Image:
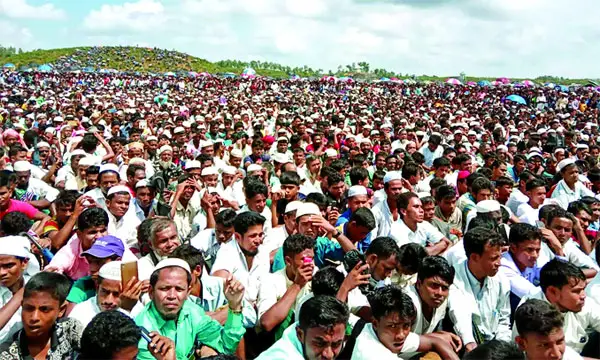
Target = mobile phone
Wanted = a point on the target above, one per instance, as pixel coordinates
(128, 271)
(145, 334)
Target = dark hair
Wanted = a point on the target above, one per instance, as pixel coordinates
(247, 219)
(504, 181)
(435, 139)
(144, 232)
(432, 266)
(290, 178)
(327, 281)
(15, 149)
(338, 165)
(410, 256)
(559, 273)
(436, 182)
(363, 217)
(297, 243)
(481, 184)
(66, 198)
(418, 158)
(589, 200)
(534, 183)
(441, 161)
(323, 312)
(92, 217)
(546, 210)
(522, 232)
(317, 198)
(410, 169)
(384, 247)
(427, 200)
(495, 350)
(404, 199)
(256, 188)
(109, 172)
(132, 169)
(226, 218)
(107, 333)
(92, 170)
(537, 317)
(557, 214)
(7, 178)
(391, 299)
(475, 240)
(189, 254)
(258, 143)
(445, 192)
(358, 174)
(55, 284)
(15, 223)
(334, 178)
(378, 175)
(461, 158)
(576, 207)
(156, 273)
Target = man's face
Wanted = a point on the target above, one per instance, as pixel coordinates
(414, 210)
(394, 189)
(138, 176)
(433, 291)
(82, 171)
(466, 165)
(489, 260)
(290, 191)
(118, 205)
(428, 211)
(447, 206)
(392, 331)
(298, 157)
(92, 181)
(257, 151)
(526, 252)
(562, 228)
(166, 241)
(584, 219)
(95, 264)
(297, 261)
(337, 190)
(571, 297)
(257, 203)
(358, 201)
(499, 171)
(108, 180)
(306, 226)
(537, 195)
(251, 240)
(11, 270)
(108, 294)
(538, 346)
(44, 152)
(315, 166)
(595, 207)
(319, 343)
(63, 213)
(235, 162)
(210, 180)
(223, 233)
(90, 235)
(381, 269)
(504, 191)
(170, 291)
(144, 196)
(39, 313)
(392, 164)
(483, 194)
(441, 171)
(571, 174)
(22, 179)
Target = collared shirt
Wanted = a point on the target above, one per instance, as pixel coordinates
(231, 258)
(421, 325)
(515, 199)
(14, 324)
(527, 214)
(431, 155)
(369, 347)
(456, 254)
(266, 213)
(84, 312)
(576, 326)
(521, 283)
(184, 216)
(424, 234)
(65, 339)
(139, 212)
(274, 239)
(454, 220)
(383, 218)
(213, 299)
(273, 287)
(288, 347)
(465, 203)
(125, 228)
(564, 195)
(572, 253)
(192, 329)
(326, 251)
(486, 305)
(206, 241)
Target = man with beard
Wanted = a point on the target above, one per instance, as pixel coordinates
(162, 241)
(31, 190)
(386, 212)
(165, 166)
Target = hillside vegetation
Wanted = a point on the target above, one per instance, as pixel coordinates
(153, 60)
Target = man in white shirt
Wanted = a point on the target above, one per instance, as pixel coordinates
(569, 188)
(257, 194)
(432, 150)
(275, 237)
(389, 335)
(481, 295)
(122, 223)
(34, 191)
(209, 241)
(536, 193)
(110, 294)
(518, 197)
(412, 228)
(240, 258)
(386, 211)
(318, 334)
(563, 285)
(540, 332)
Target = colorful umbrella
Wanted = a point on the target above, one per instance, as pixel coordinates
(45, 68)
(503, 80)
(453, 81)
(516, 98)
(484, 83)
(471, 83)
(528, 83)
(204, 74)
(248, 72)
(169, 73)
(9, 66)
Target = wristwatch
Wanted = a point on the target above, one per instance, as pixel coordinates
(337, 234)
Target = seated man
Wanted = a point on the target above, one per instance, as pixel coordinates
(477, 292)
(171, 314)
(122, 223)
(540, 328)
(209, 241)
(529, 211)
(563, 285)
(111, 294)
(318, 334)
(275, 237)
(388, 336)
(69, 205)
(162, 241)
(44, 336)
(279, 292)
(358, 228)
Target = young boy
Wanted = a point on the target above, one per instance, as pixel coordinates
(290, 185)
(44, 336)
(541, 335)
(389, 335)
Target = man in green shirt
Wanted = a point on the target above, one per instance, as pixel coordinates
(171, 314)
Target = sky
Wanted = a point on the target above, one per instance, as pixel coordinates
(513, 38)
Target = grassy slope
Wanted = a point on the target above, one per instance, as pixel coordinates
(160, 61)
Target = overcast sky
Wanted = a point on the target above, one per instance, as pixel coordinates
(513, 38)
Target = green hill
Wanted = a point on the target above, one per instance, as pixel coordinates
(141, 59)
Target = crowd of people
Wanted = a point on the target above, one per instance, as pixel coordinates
(176, 218)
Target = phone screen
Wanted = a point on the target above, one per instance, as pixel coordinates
(129, 270)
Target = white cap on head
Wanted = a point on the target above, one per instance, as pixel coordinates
(205, 143)
(164, 148)
(172, 262)
(582, 147)
(331, 153)
(13, 246)
(192, 164)
(254, 167)
(564, 163)
(307, 209)
(78, 152)
(236, 153)
(293, 206)
(229, 170)
(357, 190)
(487, 206)
(118, 189)
(87, 161)
(211, 170)
(21, 166)
(42, 144)
(391, 176)
(151, 138)
(142, 183)
(111, 271)
(109, 167)
(179, 130)
(280, 158)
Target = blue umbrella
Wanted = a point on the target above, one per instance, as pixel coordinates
(9, 66)
(44, 68)
(484, 83)
(517, 98)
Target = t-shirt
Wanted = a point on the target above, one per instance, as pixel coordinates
(20, 206)
(82, 290)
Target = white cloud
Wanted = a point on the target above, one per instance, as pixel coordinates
(20, 9)
(14, 35)
(442, 37)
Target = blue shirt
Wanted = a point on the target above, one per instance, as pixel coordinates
(324, 249)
